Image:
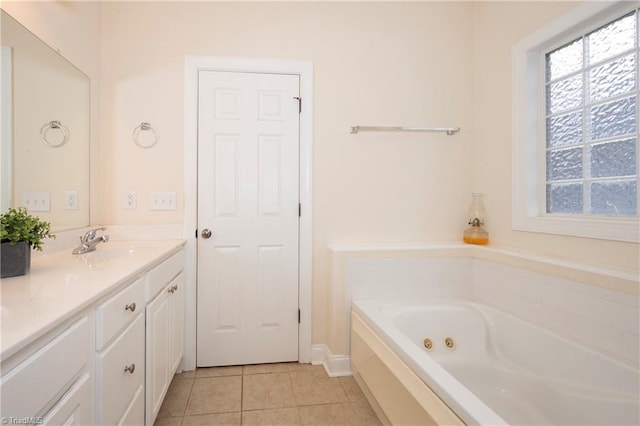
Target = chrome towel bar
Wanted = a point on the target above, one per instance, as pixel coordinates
(448, 130)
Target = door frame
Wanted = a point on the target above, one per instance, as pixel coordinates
(193, 65)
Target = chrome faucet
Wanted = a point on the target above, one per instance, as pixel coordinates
(89, 241)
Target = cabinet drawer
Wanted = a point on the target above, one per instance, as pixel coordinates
(134, 415)
(120, 372)
(160, 276)
(118, 311)
(31, 385)
(75, 407)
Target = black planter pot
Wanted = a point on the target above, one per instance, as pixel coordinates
(15, 259)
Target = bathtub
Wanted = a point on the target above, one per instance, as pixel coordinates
(483, 366)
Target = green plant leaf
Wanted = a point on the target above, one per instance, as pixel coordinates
(18, 225)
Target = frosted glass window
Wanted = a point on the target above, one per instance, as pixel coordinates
(564, 164)
(611, 198)
(613, 78)
(564, 61)
(591, 96)
(610, 40)
(613, 118)
(564, 129)
(617, 158)
(565, 94)
(564, 198)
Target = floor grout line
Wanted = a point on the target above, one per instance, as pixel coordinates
(344, 385)
(241, 395)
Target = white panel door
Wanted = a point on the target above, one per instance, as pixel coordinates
(248, 144)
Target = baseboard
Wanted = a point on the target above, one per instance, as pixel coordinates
(334, 365)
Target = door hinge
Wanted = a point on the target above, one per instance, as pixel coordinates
(298, 316)
(299, 210)
(299, 99)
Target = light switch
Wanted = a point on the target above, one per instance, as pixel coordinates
(37, 201)
(162, 201)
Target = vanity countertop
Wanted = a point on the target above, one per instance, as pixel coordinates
(60, 285)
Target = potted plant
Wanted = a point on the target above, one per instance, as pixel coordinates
(19, 233)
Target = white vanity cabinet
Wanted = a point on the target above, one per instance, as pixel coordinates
(82, 346)
(176, 323)
(50, 382)
(165, 335)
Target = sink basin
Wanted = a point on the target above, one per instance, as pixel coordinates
(119, 248)
(107, 251)
(116, 250)
(113, 251)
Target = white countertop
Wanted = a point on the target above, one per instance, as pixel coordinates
(60, 285)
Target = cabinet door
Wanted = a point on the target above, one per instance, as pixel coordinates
(176, 306)
(158, 362)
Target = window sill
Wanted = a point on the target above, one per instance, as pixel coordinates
(627, 230)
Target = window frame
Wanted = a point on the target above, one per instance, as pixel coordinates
(529, 129)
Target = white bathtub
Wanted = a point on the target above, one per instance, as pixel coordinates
(504, 370)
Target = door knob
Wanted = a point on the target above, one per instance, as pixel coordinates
(206, 233)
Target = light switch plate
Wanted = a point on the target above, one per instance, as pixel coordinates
(162, 201)
(37, 201)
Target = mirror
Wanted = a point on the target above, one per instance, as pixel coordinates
(45, 125)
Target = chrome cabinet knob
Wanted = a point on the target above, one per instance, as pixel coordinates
(130, 368)
(206, 233)
(130, 307)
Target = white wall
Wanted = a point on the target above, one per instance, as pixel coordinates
(374, 63)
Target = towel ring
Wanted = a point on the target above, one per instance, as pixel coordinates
(44, 130)
(144, 127)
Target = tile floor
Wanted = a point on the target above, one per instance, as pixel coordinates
(266, 394)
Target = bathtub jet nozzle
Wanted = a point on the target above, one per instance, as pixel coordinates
(428, 344)
(450, 343)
